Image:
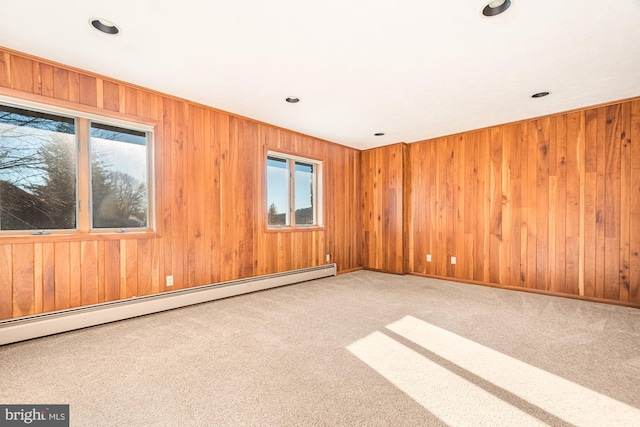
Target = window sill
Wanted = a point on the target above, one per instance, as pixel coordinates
(293, 229)
(75, 237)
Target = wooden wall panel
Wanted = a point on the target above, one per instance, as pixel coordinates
(208, 187)
(381, 217)
(634, 204)
(550, 204)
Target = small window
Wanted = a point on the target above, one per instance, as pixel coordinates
(293, 191)
(119, 177)
(37, 170)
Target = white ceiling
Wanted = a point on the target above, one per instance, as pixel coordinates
(411, 69)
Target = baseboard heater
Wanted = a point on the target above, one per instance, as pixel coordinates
(40, 325)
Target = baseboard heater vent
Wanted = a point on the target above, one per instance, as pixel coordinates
(40, 325)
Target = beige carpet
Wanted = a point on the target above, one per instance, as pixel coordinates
(362, 348)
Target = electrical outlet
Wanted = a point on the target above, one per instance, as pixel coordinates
(428, 257)
(328, 257)
(453, 260)
(169, 281)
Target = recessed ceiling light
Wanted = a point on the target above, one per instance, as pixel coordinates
(292, 99)
(104, 26)
(496, 7)
(379, 134)
(540, 94)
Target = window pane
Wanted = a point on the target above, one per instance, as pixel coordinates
(37, 170)
(304, 193)
(277, 191)
(119, 177)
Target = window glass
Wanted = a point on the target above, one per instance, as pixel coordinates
(37, 170)
(277, 191)
(294, 195)
(304, 194)
(119, 177)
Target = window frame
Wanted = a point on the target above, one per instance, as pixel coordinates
(82, 140)
(318, 202)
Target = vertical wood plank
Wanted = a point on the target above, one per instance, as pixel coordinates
(516, 142)
(6, 282)
(101, 271)
(495, 201)
(634, 206)
(449, 201)
(23, 279)
(532, 213)
(110, 95)
(60, 83)
(506, 207)
(74, 87)
(48, 277)
(542, 205)
(144, 266)
(46, 80)
(582, 204)
(601, 114)
(100, 93)
(193, 208)
(208, 207)
(112, 270)
(625, 200)
(167, 186)
(612, 202)
(480, 253)
(215, 197)
(22, 74)
(38, 285)
(460, 209)
(37, 78)
(5, 69)
(89, 272)
(131, 101)
(574, 137)
(590, 203)
(124, 276)
(75, 278)
(62, 279)
(88, 90)
(131, 267)
(178, 194)
(441, 250)
(559, 283)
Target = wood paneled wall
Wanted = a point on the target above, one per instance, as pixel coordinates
(551, 204)
(210, 212)
(381, 220)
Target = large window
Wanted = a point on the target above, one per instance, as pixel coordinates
(60, 171)
(294, 191)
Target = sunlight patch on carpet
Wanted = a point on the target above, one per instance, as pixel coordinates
(451, 398)
(457, 401)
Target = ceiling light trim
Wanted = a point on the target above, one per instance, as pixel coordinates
(105, 26)
(495, 8)
(540, 94)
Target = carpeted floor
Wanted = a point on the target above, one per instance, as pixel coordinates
(363, 348)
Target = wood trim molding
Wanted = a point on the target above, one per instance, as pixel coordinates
(529, 290)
